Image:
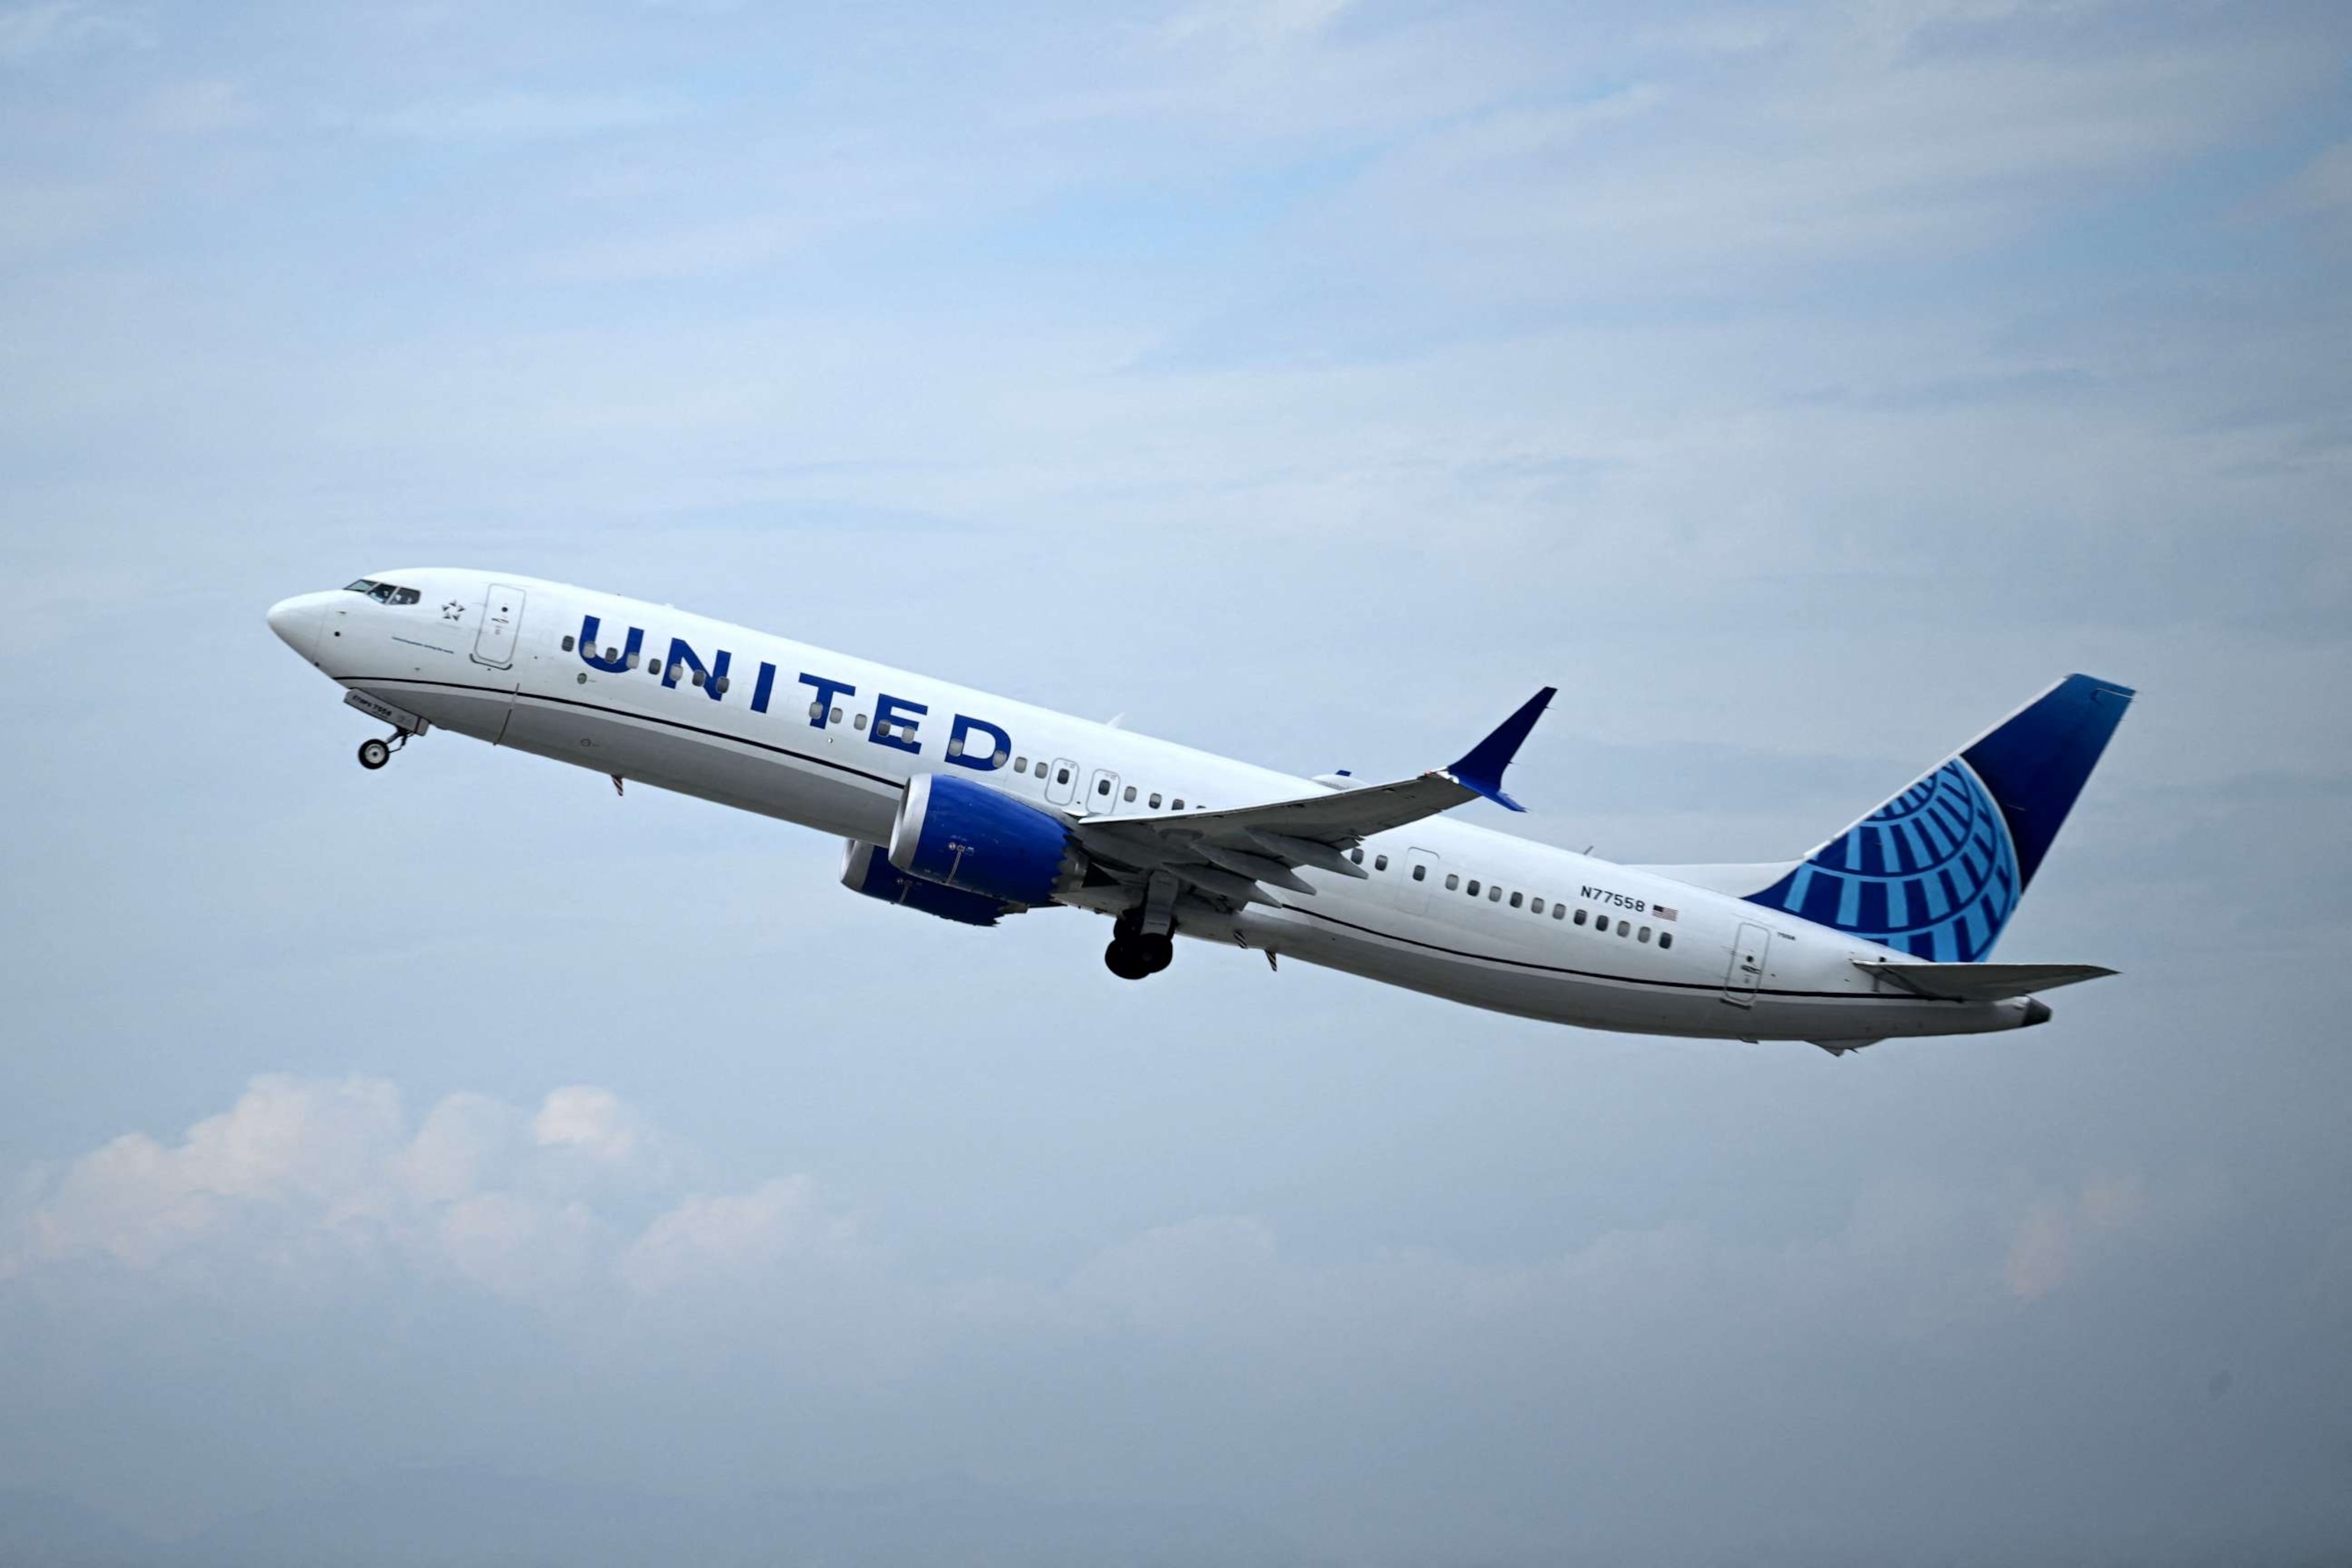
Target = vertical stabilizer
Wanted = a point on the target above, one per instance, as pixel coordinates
(1936, 871)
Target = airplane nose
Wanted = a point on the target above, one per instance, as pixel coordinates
(297, 622)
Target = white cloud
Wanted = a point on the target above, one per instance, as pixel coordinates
(591, 1120)
(715, 1238)
(307, 1176)
(288, 1146)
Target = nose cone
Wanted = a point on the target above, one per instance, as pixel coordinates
(297, 622)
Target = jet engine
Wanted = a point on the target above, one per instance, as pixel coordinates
(865, 869)
(975, 839)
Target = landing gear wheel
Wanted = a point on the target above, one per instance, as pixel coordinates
(1125, 959)
(373, 755)
(1158, 952)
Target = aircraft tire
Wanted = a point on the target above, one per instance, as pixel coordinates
(1158, 952)
(373, 755)
(1125, 959)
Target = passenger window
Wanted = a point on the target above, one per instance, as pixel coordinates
(1514, 900)
(1452, 881)
(1130, 792)
(719, 685)
(1102, 787)
(1643, 935)
(858, 722)
(1178, 803)
(1560, 912)
(1665, 939)
(567, 645)
(1379, 862)
(1494, 894)
(1535, 906)
(996, 758)
(1020, 765)
(612, 656)
(1154, 802)
(1062, 775)
(817, 712)
(835, 717)
(698, 678)
(1624, 928)
(1474, 886)
(1580, 917)
(955, 747)
(1420, 873)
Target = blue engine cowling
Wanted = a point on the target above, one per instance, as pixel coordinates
(865, 869)
(971, 838)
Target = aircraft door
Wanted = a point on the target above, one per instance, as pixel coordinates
(1062, 782)
(1420, 876)
(1746, 970)
(1102, 792)
(502, 621)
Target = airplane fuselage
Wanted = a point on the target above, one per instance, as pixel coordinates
(663, 698)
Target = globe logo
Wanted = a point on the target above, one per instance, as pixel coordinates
(1933, 872)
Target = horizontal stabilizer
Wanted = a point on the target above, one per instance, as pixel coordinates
(1978, 981)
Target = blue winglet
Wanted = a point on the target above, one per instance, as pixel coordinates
(1481, 769)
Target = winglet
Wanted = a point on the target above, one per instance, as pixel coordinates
(1481, 769)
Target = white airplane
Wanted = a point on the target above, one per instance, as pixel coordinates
(972, 807)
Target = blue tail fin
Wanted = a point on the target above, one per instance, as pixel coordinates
(1936, 871)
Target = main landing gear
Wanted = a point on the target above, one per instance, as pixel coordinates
(1142, 941)
(1131, 957)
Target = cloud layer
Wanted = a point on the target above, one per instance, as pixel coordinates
(1797, 388)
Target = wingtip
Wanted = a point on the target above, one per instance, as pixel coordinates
(1480, 771)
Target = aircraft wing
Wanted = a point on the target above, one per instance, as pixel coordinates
(1978, 981)
(1228, 854)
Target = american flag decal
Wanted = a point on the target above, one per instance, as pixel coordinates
(1663, 912)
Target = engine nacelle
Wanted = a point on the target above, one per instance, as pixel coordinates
(971, 838)
(865, 869)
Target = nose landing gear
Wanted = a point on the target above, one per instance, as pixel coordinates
(405, 727)
(373, 755)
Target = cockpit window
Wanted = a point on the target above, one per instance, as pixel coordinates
(383, 593)
(364, 586)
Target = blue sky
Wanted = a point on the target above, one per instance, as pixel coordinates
(1797, 387)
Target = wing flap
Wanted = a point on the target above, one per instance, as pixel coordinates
(1978, 981)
